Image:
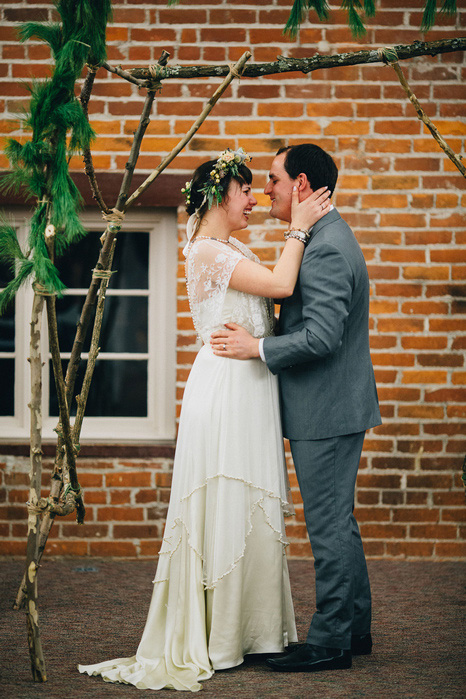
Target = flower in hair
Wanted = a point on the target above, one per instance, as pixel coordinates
(186, 190)
(227, 164)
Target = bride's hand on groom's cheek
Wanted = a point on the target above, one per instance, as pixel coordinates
(234, 342)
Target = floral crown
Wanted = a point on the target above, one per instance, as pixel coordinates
(227, 164)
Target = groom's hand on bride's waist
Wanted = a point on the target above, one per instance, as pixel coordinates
(234, 342)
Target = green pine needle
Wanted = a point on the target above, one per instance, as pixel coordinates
(16, 181)
(428, 18)
(10, 249)
(24, 271)
(354, 20)
(448, 7)
(369, 8)
(40, 165)
(47, 32)
(298, 14)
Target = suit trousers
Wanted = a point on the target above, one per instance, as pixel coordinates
(326, 471)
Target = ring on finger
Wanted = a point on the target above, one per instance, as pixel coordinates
(224, 347)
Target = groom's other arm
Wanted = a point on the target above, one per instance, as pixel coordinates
(326, 283)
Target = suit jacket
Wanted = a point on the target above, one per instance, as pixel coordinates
(321, 353)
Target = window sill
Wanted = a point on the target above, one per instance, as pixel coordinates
(128, 451)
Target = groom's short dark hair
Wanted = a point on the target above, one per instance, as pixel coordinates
(314, 162)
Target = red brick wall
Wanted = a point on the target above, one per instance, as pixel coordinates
(397, 190)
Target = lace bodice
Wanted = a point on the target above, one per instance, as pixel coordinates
(209, 267)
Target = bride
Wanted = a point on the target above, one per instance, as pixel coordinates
(222, 589)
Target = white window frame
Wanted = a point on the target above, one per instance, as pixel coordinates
(160, 424)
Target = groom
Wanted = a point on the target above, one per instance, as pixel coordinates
(328, 401)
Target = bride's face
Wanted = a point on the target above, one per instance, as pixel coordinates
(238, 205)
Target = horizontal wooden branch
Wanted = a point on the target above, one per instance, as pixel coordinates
(117, 70)
(307, 65)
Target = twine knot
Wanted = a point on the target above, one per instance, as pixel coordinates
(388, 55)
(40, 290)
(114, 220)
(156, 75)
(234, 71)
(101, 273)
(34, 508)
(114, 216)
(77, 492)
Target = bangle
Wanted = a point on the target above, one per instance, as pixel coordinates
(297, 233)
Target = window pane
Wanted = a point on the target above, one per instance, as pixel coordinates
(7, 382)
(118, 389)
(130, 261)
(6, 274)
(124, 326)
(7, 329)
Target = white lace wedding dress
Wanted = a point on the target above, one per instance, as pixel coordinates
(222, 588)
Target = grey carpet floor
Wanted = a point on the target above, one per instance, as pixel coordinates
(93, 610)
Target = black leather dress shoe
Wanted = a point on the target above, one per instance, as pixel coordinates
(310, 658)
(361, 644)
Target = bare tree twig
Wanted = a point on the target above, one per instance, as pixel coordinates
(135, 148)
(426, 120)
(87, 155)
(70, 475)
(94, 349)
(118, 70)
(234, 71)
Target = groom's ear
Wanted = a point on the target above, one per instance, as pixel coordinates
(301, 181)
(303, 184)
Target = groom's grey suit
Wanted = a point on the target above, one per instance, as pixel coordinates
(328, 400)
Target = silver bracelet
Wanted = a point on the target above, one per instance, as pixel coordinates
(297, 233)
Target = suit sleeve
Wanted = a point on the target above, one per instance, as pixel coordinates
(326, 283)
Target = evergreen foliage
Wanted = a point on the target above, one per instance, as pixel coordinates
(58, 129)
(430, 10)
(356, 10)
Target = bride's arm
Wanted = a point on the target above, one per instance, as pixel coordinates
(279, 282)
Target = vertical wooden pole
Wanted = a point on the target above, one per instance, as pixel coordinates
(35, 476)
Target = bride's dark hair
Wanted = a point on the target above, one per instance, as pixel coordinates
(201, 177)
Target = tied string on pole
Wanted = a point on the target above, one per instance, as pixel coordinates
(388, 55)
(114, 220)
(102, 273)
(156, 74)
(42, 506)
(34, 509)
(77, 492)
(114, 216)
(234, 71)
(41, 290)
